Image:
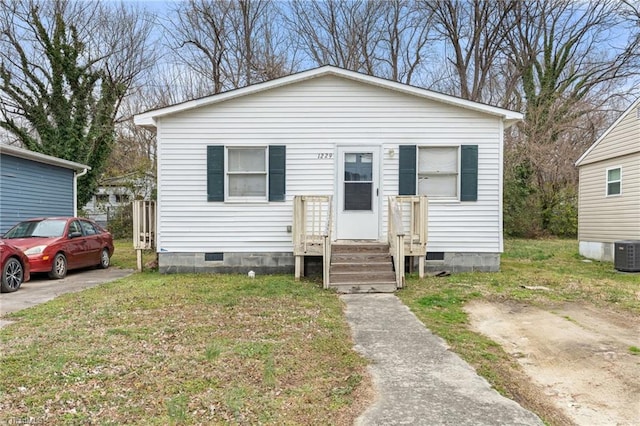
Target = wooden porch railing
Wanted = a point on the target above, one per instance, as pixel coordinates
(144, 228)
(396, 240)
(412, 212)
(312, 223)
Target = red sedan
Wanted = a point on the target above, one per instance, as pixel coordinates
(58, 244)
(14, 266)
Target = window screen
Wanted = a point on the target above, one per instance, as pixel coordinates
(438, 170)
(247, 172)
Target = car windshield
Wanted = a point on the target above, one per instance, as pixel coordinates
(42, 228)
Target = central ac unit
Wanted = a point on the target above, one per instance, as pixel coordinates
(627, 256)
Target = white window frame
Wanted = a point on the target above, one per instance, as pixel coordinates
(607, 181)
(420, 175)
(227, 173)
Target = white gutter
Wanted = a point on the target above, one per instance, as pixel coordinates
(75, 189)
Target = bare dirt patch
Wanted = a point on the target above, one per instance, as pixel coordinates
(580, 358)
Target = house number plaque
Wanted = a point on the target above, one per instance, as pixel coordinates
(325, 155)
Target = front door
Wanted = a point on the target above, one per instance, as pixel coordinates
(357, 193)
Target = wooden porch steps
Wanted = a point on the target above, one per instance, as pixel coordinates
(361, 267)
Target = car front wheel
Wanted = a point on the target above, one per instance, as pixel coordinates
(104, 259)
(12, 275)
(59, 267)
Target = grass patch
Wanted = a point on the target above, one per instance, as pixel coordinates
(553, 263)
(183, 349)
(634, 350)
(125, 256)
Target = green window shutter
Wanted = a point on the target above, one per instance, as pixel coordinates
(215, 173)
(277, 175)
(407, 169)
(469, 173)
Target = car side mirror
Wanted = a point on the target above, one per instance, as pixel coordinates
(75, 234)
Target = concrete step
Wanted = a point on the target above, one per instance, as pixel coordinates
(345, 288)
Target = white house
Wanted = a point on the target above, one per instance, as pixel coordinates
(115, 193)
(609, 188)
(230, 166)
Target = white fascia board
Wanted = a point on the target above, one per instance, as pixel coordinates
(606, 132)
(144, 120)
(42, 158)
(148, 119)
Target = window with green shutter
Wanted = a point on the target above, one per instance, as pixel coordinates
(441, 172)
(246, 173)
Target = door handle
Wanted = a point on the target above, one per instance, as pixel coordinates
(377, 191)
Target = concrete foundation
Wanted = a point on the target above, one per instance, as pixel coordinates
(260, 263)
(597, 250)
(465, 262)
(283, 263)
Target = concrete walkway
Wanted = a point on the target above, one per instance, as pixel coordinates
(418, 381)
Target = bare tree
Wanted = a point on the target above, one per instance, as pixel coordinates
(63, 75)
(473, 34)
(389, 39)
(570, 66)
(403, 36)
(230, 43)
(337, 32)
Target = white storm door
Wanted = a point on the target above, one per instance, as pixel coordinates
(357, 193)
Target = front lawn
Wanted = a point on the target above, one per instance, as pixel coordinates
(226, 349)
(183, 349)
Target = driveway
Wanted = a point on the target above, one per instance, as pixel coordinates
(41, 289)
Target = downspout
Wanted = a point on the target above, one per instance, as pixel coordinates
(75, 190)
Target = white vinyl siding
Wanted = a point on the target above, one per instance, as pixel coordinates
(311, 118)
(608, 219)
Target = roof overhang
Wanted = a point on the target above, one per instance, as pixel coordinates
(41, 158)
(584, 156)
(149, 119)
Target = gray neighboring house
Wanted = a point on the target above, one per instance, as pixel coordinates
(609, 188)
(36, 185)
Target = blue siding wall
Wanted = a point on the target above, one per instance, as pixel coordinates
(32, 189)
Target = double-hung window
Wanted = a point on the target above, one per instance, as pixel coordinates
(247, 173)
(614, 181)
(438, 172)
